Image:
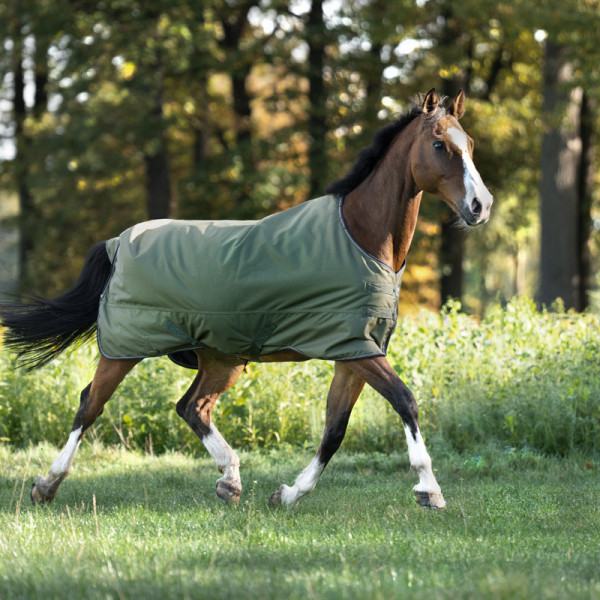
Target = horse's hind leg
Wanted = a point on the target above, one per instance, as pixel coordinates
(343, 394)
(93, 398)
(216, 374)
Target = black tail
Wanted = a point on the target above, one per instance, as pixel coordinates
(40, 330)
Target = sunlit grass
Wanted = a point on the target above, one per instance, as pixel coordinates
(127, 525)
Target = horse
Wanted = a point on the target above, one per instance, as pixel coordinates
(371, 213)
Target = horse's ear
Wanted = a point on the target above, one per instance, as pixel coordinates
(431, 102)
(458, 106)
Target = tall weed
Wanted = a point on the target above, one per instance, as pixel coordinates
(519, 378)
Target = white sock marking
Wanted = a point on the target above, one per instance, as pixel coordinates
(304, 484)
(420, 462)
(62, 463)
(226, 459)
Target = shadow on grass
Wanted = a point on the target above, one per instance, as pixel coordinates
(173, 481)
(161, 532)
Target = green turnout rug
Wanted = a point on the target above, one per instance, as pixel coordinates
(293, 280)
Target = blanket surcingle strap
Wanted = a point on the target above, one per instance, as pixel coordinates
(293, 280)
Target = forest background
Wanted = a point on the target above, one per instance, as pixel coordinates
(118, 111)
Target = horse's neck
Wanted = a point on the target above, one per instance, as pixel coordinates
(381, 213)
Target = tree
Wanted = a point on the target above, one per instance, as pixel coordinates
(240, 108)
(453, 43)
(234, 22)
(569, 87)
(27, 34)
(585, 195)
(564, 188)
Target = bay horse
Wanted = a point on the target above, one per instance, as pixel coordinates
(371, 213)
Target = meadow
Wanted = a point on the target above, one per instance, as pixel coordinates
(510, 409)
(131, 525)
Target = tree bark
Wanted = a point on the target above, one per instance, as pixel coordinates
(585, 188)
(201, 127)
(452, 250)
(317, 126)
(158, 180)
(452, 246)
(560, 217)
(234, 25)
(40, 100)
(22, 142)
(233, 29)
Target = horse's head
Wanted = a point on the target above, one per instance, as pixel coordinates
(442, 161)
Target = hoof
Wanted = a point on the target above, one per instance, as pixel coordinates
(229, 491)
(275, 499)
(284, 496)
(40, 494)
(433, 500)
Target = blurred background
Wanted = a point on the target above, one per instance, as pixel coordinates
(117, 111)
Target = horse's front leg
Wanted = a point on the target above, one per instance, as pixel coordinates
(380, 375)
(216, 374)
(343, 393)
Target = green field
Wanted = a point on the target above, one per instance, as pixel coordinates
(510, 411)
(128, 525)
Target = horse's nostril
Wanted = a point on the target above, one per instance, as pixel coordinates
(476, 206)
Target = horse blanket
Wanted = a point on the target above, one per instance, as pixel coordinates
(293, 280)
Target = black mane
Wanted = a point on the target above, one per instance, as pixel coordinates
(369, 157)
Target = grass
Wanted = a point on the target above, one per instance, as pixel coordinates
(510, 408)
(132, 525)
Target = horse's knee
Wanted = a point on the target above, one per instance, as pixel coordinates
(405, 405)
(196, 414)
(85, 393)
(88, 410)
(202, 420)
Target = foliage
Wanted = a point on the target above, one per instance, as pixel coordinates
(521, 378)
(227, 87)
(518, 378)
(131, 526)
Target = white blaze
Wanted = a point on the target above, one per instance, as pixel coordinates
(474, 186)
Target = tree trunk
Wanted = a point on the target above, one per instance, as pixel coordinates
(158, 181)
(241, 107)
(585, 188)
(201, 125)
(22, 142)
(452, 250)
(561, 275)
(452, 246)
(317, 126)
(240, 65)
(40, 100)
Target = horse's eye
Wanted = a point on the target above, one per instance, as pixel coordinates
(439, 145)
